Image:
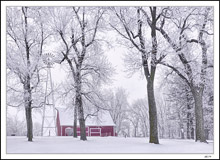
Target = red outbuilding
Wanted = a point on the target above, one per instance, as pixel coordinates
(99, 125)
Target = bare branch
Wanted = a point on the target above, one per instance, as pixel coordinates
(192, 40)
(207, 32)
(177, 71)
(161, 58)
(77, 15)
(64, 41)
(11, 105)
(148, 18)
(95, 30)
(119, 32)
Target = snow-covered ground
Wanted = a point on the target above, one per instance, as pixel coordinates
(104, 145)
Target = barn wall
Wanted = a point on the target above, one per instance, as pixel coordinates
(63, 128)
(105, 130)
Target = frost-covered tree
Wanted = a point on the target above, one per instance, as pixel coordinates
(192, 45)
(25, 39)
(179, 98)
(15, 125)
(162, 114)
(139, 117)
(117, 104)
(36, 129)
(77, 31)
(141, 35)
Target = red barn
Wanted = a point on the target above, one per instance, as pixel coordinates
(100, 125)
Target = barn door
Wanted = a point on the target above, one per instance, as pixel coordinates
(68, 131)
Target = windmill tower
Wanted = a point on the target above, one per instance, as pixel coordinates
(49, 114)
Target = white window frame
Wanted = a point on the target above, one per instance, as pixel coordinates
(90, 131)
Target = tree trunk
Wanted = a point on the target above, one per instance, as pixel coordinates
(200, 132)
(27, 115)
(75, 123)
(29, 124)
(188, 128)
(82, 126)
(79, 107)
(27, 82)
(28, 110)
(152, 113)
(189, 124)
(150, 83)
(192, 133)
(182, 133)
(81, 118)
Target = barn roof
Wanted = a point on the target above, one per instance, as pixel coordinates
(103, 118)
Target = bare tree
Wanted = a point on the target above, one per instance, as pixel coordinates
(15, 126)
(77, 28)
(162, 114)
(148, 57)
(139, 109)
(25, 40)
(195, 82)
(134, 120)
(179, 97)
(117, 104)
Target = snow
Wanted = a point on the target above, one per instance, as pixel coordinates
(104, 145)
(103, 118)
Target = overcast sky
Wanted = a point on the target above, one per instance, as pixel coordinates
(136, 85)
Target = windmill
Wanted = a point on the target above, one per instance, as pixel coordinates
(49, 114)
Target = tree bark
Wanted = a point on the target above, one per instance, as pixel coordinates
(150, 83)
(28, 110)
(152, 113)
(75, 123)
(29, 124)
(198, 97)
(79, 106)
(189, 124)
(27, 82)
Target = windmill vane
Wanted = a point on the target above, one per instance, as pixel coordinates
(48, 59)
